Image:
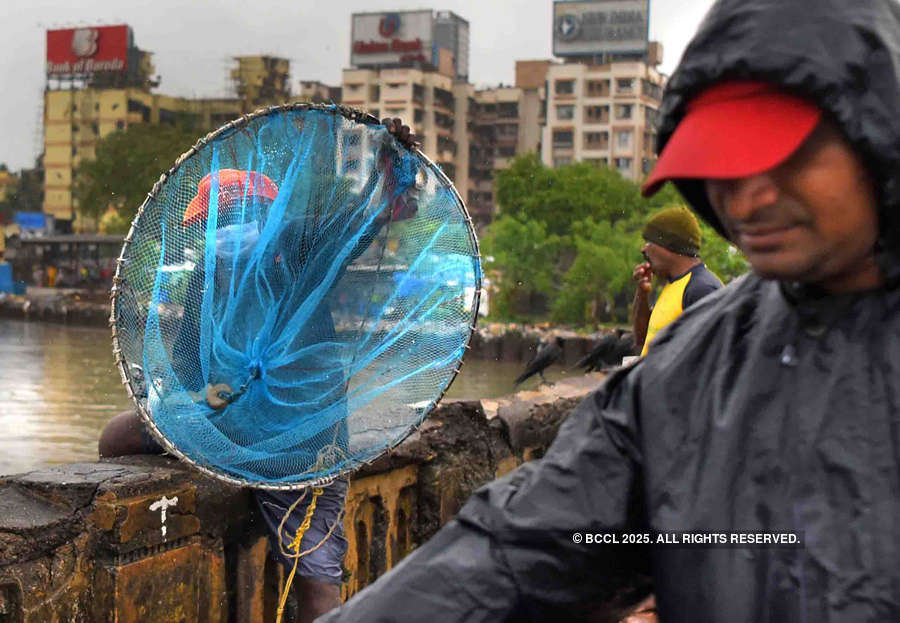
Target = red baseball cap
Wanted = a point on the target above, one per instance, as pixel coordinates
(732, 130)
(232, 185)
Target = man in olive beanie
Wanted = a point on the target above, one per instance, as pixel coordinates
(672, 251)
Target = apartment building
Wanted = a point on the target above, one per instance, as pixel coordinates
(424, 100)
(261, 80)
(78, 117)
(603, 114)
(318, 92)
(502, 122)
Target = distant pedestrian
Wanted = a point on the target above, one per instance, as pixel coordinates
(672, 249)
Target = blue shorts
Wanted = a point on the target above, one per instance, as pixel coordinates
(324, 564)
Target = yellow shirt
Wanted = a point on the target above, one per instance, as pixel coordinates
(674, 299)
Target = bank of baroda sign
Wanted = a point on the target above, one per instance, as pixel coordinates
(78, 51)
(600, 27)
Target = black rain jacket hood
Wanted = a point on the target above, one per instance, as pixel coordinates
(843, 55)
(759, 410)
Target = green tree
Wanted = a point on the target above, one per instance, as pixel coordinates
(522, 258)
(591, 218)
(720, 256)
(126, 166)
(600, 276)
(566, 195)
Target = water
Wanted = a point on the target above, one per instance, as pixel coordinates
(59, 386)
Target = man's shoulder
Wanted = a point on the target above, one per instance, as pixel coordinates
(702, 283)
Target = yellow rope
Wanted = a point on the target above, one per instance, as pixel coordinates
(295, 547)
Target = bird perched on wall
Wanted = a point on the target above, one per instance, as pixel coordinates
(546, 355)
(608, 351)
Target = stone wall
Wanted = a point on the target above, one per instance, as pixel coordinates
(144, 539)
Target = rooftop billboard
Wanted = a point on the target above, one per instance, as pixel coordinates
(73, 51)
(600, 27)
(392, 38)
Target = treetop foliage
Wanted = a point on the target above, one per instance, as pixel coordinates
(127, 164)
(567, 239)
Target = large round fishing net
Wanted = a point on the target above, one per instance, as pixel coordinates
(294, 296)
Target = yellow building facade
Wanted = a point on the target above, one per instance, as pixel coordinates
(75, 120)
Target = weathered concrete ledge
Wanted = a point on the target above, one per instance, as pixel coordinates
(147, 539)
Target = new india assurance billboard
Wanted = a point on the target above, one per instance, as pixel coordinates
(600, 27)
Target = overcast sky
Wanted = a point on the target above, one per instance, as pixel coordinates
(192, 42)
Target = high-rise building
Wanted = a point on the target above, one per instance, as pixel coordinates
(98, 82)
(260, 80)
(602, 102)
(506, 122)
(603, 114)
(424, 100)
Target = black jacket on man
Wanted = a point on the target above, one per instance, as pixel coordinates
(766, 407)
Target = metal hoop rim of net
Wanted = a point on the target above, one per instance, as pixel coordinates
(351, 114)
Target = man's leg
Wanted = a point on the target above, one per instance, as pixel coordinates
(317, 583)
(126, 434)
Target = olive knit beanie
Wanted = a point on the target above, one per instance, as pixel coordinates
(675, 229)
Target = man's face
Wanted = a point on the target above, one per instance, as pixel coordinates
(811, 219)
(657, 256)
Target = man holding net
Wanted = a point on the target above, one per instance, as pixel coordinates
(244, 198)
(275, 265)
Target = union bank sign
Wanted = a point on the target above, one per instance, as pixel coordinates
(380, 39)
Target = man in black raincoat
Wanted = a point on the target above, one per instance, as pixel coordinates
(773, 405)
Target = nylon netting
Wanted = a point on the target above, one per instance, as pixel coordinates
(294, 298)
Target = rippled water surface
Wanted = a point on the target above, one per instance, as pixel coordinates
(58, 387)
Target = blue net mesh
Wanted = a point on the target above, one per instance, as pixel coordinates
(294, 297)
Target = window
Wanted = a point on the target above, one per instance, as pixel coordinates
(596, 140)
(95, 129)
(418, 115)
(508, 110)
(646, 165)
(650, 115)
(565, 87)
(508, 130)
(597, 162)
(625, 85)
(562, 139)
(653, 91)
(120, 125)
(623, 111)
(374, 93)
(623, 139)
(396, 85)
(623, 164)
(597, 88)
(561, 161)
(565, 112)
(506, 151)
(597, 114)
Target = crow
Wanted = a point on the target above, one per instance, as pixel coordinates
(608, 351)
(545, 356)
